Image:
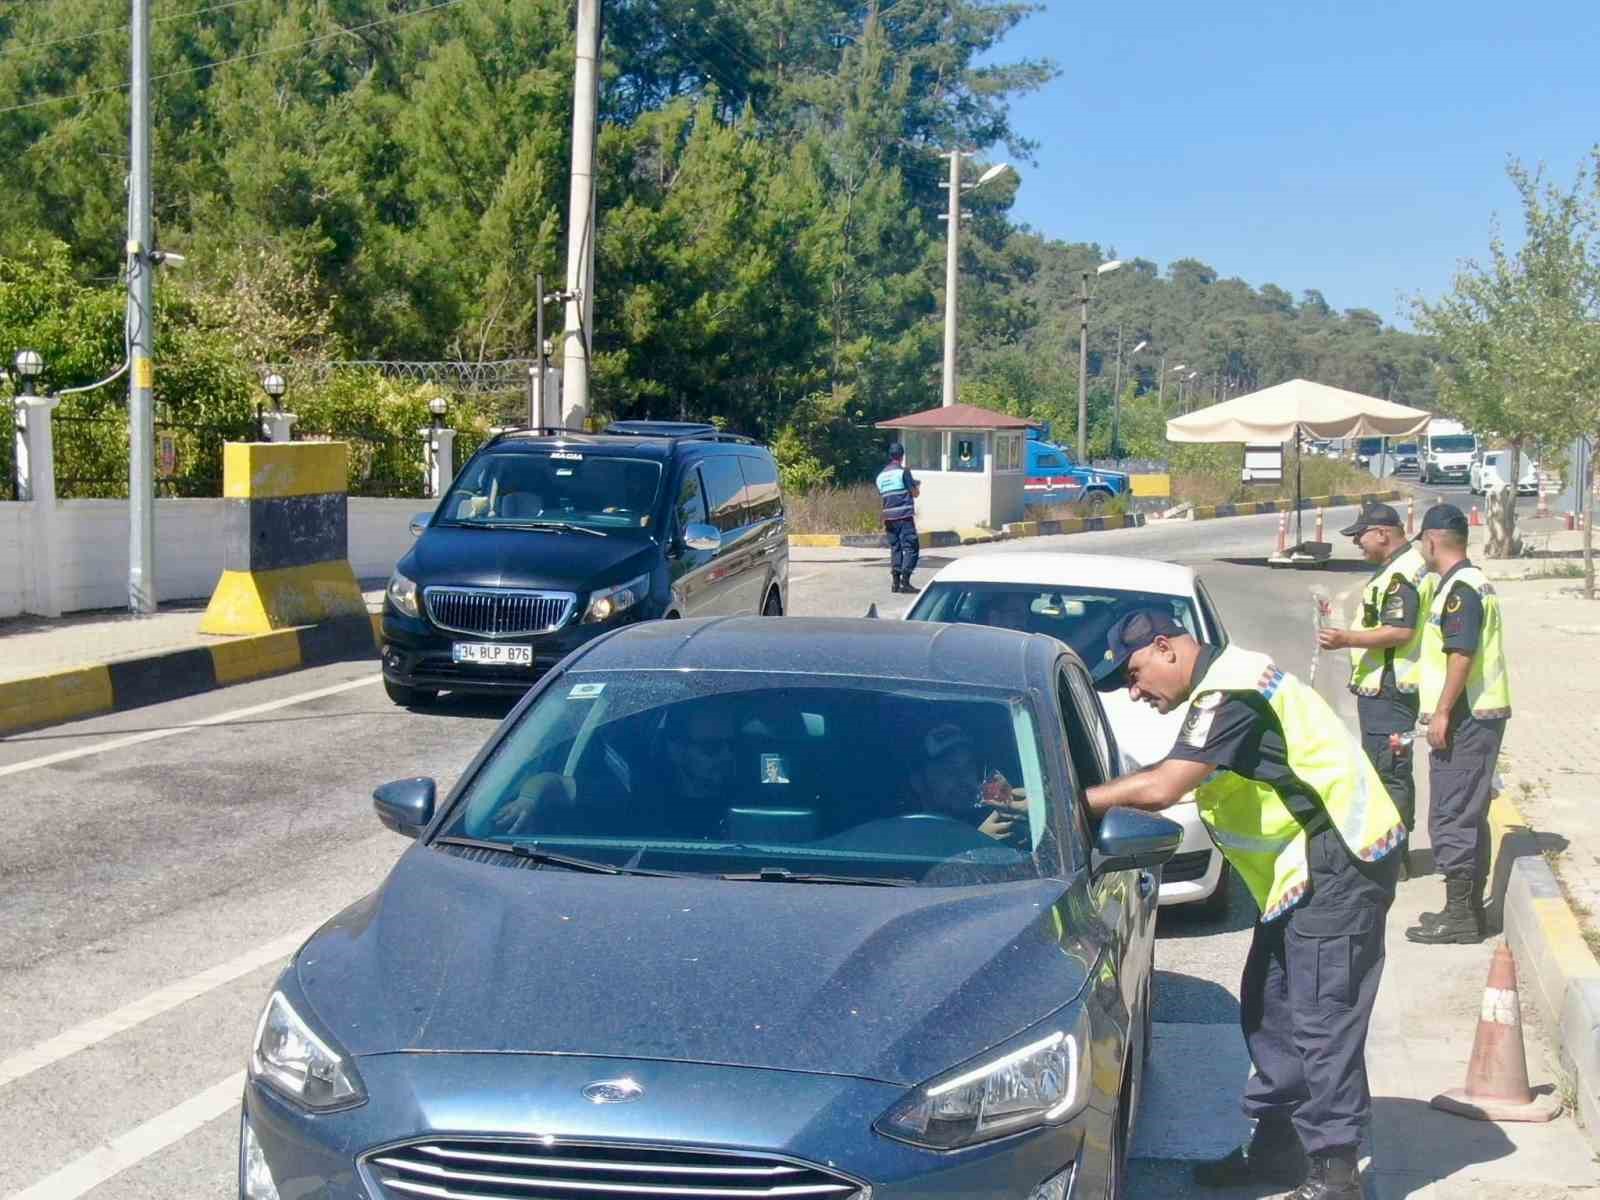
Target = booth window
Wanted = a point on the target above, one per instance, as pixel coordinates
(1007, 452)
(966, 452)
(922, 450)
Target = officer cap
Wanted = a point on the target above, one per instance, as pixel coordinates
(896, 450)
(1129, 636)
(942, 739)
(1373, 516)
(1445, 516)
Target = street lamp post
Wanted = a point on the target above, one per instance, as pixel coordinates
(1083, 358)
(1116, 399)
(277, 426)
(1175, 370)
(28, 366)
(951, 256)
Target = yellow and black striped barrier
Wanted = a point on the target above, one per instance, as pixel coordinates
(287, 539)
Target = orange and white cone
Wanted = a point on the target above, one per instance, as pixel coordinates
(1411, 517)
(1544, 501)
(1283, 533)
(1497, 1073)
(1319, 525)
(1477, 517)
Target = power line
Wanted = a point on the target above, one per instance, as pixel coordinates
(28, 47)
(238, 58)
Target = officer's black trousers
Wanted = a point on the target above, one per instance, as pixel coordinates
(1459, 780)
(1306, 1000)
(1394, 767)
(904, 549)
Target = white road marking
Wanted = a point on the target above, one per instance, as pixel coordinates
(1191, 1094)
(89, 1171)
(90, 1033)
(155, 735)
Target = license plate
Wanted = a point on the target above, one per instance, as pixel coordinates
(492, 654)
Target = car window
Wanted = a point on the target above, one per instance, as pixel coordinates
(1053, 462)
(763, 501)
(691, 506)
(509, 487)
(1095, 742)
(718, 772)
(1219, 631)
(724, 485)
(1079, 616)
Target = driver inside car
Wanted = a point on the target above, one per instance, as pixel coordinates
(948, 781)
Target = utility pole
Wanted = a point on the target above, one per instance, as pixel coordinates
(536, 413)
(141, 336)
(580, 221)
(951, 275)
(1083, 372)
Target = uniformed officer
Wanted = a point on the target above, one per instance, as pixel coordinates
(1466, 699)
(898, 490)
(1385, 652)
(1301, 816)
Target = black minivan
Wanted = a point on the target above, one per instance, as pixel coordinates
(549, 538)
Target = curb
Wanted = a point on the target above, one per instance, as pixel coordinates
(941, 538)
(172, 674)
(1253, 508)
(1553, 960)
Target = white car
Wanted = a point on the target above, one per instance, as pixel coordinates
(1492, 466)
(1076, 598)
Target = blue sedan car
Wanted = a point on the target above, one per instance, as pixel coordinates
(737, 908)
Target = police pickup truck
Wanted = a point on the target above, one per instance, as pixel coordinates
(1055, 477)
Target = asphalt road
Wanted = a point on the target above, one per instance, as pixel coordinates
(162, 863)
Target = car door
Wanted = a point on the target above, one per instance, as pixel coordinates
(769, 551)
(690, 571)
(731, 590)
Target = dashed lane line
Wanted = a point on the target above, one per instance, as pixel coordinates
(89, 1171)
(90, 1033)
(155, 735)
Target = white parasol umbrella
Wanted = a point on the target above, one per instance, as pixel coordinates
(1297, 409)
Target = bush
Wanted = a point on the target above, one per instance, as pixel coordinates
(855, 509)
(1115, 507)
(1210, 475)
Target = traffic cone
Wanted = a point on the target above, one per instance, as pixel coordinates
(1571, 521)
(1319, 525)
(1497, 1073)
(1477, 517)
(1283, 533)
(1544, 502)
(1411, 517)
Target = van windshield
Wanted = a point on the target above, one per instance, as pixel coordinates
(518, 488)
(1455, 443)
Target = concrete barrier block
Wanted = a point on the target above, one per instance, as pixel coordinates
(1143, 486)
(59, 696)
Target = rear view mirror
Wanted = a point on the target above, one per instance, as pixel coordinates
(406, 805)
(420, 522)
(1130, 840)
(702, 537)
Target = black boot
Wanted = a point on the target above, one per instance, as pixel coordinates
(894, 585)
(905, 585)
(1459, 924)
(1334, 1176)
(1274, 1156)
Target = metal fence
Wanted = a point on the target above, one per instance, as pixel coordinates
(92, 455)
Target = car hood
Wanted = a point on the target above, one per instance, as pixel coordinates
(893, 984)
(570, 562)
(1143, 734)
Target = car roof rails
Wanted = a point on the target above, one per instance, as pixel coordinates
(536, 431)
(684, 430)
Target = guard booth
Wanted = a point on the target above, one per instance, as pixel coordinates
(970, 461)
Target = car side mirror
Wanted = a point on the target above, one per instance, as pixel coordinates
(406, 805)
(1130, 840)
(702, 537)
(420, 522)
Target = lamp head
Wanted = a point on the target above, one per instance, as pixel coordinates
(29, 364)
(1107, 268)
(274, 385)
(437, 406)
(1140, 346)
(993, 172)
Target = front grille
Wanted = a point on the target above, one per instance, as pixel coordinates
(1186, 868)
(552, 1170)
(497, 612)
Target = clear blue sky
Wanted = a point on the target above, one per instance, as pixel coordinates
(1354, 146)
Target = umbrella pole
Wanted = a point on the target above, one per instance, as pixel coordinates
(1299, 519)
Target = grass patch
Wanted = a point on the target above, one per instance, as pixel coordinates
(855, 509)
(1115, 507)
(1319, 477)
(1558, 570)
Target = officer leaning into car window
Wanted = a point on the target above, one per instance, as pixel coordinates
(898, 489)
(1304, 820)
(1466, 700)
(1386, 652)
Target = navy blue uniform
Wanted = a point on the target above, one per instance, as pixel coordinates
(1391, 710)
(1311, 977)
(896, 487)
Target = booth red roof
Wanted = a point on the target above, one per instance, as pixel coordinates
(956, 416)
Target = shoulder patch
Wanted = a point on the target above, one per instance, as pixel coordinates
(1197, 725)
(1209, 700)
(1394, 584)
(1454, 603)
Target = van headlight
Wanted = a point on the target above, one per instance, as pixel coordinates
(402, 593)
(1042, 1080)
(291, 1059)
(609, 602)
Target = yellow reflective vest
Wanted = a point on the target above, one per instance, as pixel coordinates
(1488, 685)
(1255, 830)
(1367, 663)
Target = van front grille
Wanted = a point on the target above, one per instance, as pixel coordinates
(497, 612)
(456, 1169)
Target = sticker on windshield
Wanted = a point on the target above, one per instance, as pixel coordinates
(772, 769)
(566, 455)
(585, 691)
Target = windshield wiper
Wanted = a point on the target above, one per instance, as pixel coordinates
(559, 526)
(532, 852)
(784, 875)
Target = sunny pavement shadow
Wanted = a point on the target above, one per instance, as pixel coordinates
(1418, 1151)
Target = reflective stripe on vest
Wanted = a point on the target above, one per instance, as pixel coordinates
(898, 503)
(1255, 830)
(1488, 688)
(1367, 663)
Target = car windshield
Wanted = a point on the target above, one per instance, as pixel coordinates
(1369, 446)
(1406, 448)
(519, 487)
(1463, 443)
(1079, 616)
(771, 777)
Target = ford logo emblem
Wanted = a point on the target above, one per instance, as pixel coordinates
(612, 1091)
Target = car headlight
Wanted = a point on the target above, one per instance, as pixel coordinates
(1042, 1081)
(402, 594)
(291, 1059)
(608, 602)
